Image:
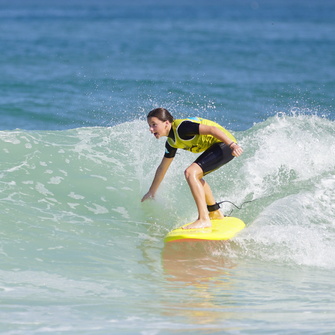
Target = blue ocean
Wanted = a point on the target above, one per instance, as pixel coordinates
(79, 252)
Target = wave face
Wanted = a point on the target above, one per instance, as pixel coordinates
(56, 185)
(77, 244)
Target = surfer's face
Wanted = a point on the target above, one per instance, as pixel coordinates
(159, 128)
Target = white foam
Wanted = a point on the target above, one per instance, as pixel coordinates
(75, 196)
(55, 180)
(42, 189)
(98, 209)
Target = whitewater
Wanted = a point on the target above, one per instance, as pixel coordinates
(80, 252)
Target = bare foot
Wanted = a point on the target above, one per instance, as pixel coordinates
(199, 224)
(216, 215)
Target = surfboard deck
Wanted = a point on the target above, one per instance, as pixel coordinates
(222, 229)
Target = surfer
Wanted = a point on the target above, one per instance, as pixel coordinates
(196, 135)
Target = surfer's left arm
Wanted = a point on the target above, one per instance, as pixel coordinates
(220, 135)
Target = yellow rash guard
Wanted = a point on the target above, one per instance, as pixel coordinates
(185, 135)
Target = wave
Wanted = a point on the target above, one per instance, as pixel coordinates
(289, 169)
(61, 190)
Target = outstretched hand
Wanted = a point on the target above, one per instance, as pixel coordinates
(148, 195)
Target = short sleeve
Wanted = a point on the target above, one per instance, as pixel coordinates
(170, 152)
(188, 129)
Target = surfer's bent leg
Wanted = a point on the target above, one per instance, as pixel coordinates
(217, 155)
(212, 207)
(193, 175)
(213, 158)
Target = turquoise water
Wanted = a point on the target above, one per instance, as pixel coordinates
(80, 254)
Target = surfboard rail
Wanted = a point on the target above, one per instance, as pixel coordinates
(222, 229)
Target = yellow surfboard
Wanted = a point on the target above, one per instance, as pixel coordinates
(222, 229)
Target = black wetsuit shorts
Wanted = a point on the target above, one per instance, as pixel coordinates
(217, 155)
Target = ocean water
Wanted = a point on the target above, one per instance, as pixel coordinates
(79, 252)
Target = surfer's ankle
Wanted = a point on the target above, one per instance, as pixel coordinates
(216, 215)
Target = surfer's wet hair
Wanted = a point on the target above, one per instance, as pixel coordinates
(161, 114)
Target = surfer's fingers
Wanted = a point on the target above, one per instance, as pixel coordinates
(237, 152)
(147, 196)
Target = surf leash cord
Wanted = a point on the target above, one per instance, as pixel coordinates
(216, 206)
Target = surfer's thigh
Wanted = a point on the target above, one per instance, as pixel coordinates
(213, 158)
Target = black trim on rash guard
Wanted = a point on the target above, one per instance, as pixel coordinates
(170, 152)
(171, 135)
(186, 131)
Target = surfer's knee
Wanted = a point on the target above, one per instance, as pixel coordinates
(193, 172)
(187, 174)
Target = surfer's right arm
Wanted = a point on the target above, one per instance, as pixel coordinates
(159, 176)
